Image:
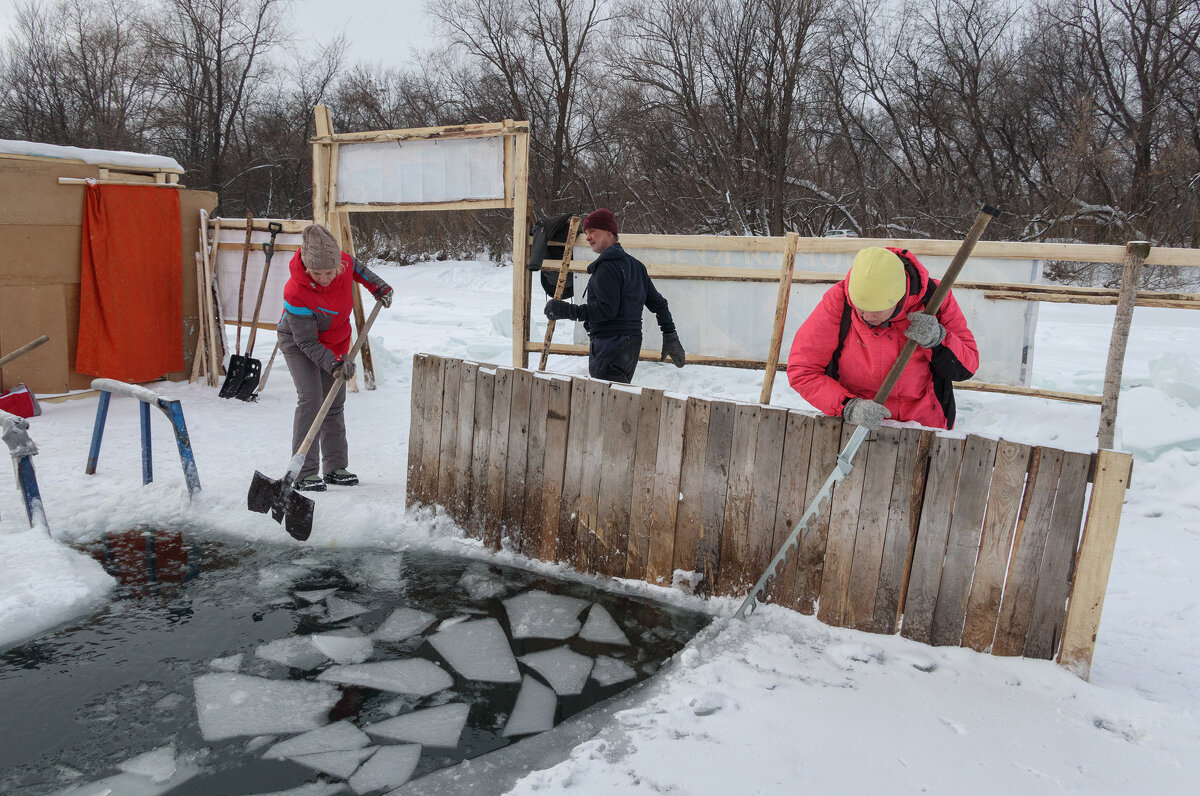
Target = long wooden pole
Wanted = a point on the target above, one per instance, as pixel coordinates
(237, 348)
(560, 285)
(1135, 257)
(781, 308)
(520, 247)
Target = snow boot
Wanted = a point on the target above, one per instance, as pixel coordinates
(310, 483)
(341, 477)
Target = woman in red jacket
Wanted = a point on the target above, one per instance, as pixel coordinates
(845, 348)
(314, 336)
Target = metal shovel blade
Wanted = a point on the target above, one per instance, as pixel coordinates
(234, 376)
(248, 389)
(279, 499)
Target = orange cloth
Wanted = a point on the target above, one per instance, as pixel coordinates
(131, 290)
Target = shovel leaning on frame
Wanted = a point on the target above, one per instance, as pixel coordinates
(241, 380)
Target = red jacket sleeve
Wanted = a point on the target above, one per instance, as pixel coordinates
(812, 348)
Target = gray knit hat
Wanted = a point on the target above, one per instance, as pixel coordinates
(318, 250)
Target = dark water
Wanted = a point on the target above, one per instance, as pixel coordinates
(78, 701)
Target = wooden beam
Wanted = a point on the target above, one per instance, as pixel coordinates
(521, 275)
(1135, 256)
(485, 130)
(781, 308)
(392, 207)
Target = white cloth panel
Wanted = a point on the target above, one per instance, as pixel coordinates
(229, 275)
(402, 172)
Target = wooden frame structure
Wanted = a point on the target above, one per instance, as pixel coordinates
(978, 543)
(334, 213)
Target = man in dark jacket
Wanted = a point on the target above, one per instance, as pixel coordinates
(616, 292)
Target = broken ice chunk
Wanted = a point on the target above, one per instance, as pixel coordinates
(610, 671)
(566, 671)
(316, 595)
(229, 705)
(298, 652)
(536, 614)
(478, 650)
(343, 649)
(534, 711)
(339, 764)
(415, 676)
(441, 726)
(339, 609)
(157, 766)
(403, 622)
(228, 664)
(390, 767)
(133, 784)
(310, 789)
(601, 628)
(332, 738)
(480, 583)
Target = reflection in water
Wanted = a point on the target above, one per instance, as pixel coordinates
(83, 699)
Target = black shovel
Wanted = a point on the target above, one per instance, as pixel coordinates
(244, 371)
(279, 497)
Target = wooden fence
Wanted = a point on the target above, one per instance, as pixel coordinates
(952, 542)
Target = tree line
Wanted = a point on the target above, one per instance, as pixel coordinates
(1080, 118)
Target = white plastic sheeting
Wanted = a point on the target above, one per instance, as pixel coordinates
(402, 172)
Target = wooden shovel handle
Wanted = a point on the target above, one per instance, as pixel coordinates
(242, 283)
(25, 349)
(269, 249)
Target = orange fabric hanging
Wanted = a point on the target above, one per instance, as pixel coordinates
(131, 289)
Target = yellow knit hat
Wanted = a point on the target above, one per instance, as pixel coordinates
(877, 280)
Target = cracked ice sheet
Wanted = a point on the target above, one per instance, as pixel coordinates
(156, 766)
(537, 614)
(601, 628)
(534, 711)
(478, 650)
(344, 649)
(332, 738)
(127, 784)
(566, 670)
(339, 764)
(338, 608)
(229, 705)
(415, 676)
(610, 671)
(390, 767)
(403, 623)
(315, 596)
(439, 727)
(298, 652)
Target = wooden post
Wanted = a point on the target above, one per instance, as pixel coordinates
(320, 167)
(1094, 561)
(347, 243)
(781, 307)
(520, 248)
(563, 270)
(1135, 256)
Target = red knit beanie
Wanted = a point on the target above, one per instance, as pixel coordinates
(601, 219)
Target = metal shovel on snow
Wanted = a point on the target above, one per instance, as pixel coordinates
(279, 496)
(244, 371)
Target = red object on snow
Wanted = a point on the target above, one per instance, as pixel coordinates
(20, 402)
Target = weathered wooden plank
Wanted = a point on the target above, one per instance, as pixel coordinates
(839, 549)
(999, 525)
(458, 504)
(962, 544)
(481, 442)
(716, 487)
(826, 444)
(904, 515)
(1033, 523)
(622, 407)
(432, 418)
(525, 534)
(493, 516)
(1094, 561)
(768, 462)
(879, 475)
(644, 463)
(554, 467)
(735, 533)
(790, 503)
(1058, 558)
(587, 544)
(932, 533)
(691, 484)
(416, 429)
(448, 444)
(664, 500)
(568, 517)
(518, 452)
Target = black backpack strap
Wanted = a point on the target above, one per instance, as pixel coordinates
(831, 370)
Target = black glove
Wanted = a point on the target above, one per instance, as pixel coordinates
(384, 295)
(559, 310)
(672, 348)
(924, 330)
(862, 412)
(345, 368)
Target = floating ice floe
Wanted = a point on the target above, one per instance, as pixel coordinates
(403, 623)
(316, 595)
(343, 649)
(310, 789)
(229, 705)
(336, 737)
(601, 628)
(156, 766)
(390, 767)
(127, 784)
(338, 608)
(440, 727)
(566, 670)
(298, 652)
(480, 583)
(339, 764)
(537, 614)
(534, 711)
(415, 676)
(478, 650)
(610, 671)
(229, 663)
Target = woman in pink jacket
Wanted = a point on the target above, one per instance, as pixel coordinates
(845, 348)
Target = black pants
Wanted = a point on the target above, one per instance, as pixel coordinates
(614, 358)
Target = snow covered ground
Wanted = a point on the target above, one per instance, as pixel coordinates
(769, 706)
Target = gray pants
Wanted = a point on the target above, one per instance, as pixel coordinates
(312, 385)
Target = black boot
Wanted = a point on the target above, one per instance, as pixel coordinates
(310, 483)
(341, 477)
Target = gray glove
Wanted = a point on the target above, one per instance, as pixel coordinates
(862, 412)
(924, 330)
(672, 349)
(345, 368)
